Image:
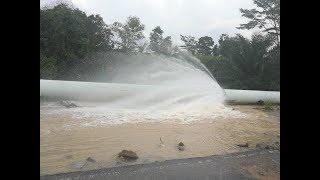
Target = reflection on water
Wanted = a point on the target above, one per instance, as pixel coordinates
(68, 137)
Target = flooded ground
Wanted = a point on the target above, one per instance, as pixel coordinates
(67, 141)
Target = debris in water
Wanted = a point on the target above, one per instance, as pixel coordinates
(89, 159)
(128, 155)
(161, 143)
(243, 145)
(181, 146)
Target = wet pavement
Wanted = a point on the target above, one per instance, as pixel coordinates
(255, 164)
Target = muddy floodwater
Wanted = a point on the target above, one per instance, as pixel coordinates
(66, 143)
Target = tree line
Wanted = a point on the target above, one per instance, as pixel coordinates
(70, 39)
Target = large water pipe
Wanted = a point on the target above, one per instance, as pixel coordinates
(78, 90)
(251, 97)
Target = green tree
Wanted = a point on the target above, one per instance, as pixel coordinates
(190, 43)
(48, 68)
(67, 35)
(215, 50)
(205, 45)
(166, 45)
(245, 64)
(157, 43)
(156, 39)
(267, 18)
(128, 34)
(99, 34)
(63, 36)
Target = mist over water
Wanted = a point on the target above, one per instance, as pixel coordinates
(157, 88)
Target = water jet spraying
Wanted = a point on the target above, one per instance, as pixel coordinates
(150, 87)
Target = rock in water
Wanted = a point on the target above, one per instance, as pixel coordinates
(243, 145)
(128, 155)
(181, 146)
(68, 104)
(89, 159)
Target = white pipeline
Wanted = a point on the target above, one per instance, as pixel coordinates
(250, 96)
(106, 91)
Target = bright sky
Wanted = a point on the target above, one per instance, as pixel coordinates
(187, 17)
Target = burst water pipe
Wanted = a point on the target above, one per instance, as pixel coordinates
(99, 91)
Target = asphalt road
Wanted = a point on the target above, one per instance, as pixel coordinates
(256, 164)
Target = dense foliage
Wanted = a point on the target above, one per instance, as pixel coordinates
(158, 44)
(73, 46)
(245, 64)
(66, 36)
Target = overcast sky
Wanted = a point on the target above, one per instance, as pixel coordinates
(187, 17)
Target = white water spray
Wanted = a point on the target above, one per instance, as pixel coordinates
(149, 88)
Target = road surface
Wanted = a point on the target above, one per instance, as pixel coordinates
(256, 164)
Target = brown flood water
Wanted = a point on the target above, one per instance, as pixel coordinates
(63, 150)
